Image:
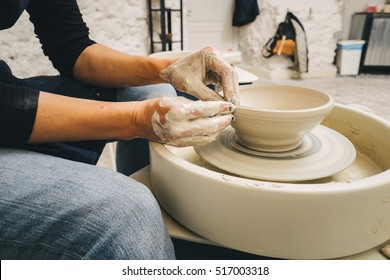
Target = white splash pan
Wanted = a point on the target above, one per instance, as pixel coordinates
(329, 218)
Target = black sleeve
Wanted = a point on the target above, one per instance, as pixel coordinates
(61, 30)
(18, 108)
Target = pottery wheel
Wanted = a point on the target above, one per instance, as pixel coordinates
(323, 152)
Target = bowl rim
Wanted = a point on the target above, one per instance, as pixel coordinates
(326, 106)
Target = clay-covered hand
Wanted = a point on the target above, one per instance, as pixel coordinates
(192, 73)
(180, 122)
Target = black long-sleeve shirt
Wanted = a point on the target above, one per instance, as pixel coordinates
(63, 34)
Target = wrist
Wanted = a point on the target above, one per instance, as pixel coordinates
(159, 65)
(135, 119)
(126, 120)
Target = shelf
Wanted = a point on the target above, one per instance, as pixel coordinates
(166, 9)
(165, 25)
(160, 42)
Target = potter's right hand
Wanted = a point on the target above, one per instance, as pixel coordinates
(193, 72)
(180, 122)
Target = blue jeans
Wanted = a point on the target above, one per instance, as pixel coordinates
(55, 206)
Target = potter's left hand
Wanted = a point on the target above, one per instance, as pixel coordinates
(180, 122)
(192, 73)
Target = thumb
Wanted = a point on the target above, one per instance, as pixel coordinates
(165, 74)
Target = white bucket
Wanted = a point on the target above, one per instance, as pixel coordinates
(349, 53)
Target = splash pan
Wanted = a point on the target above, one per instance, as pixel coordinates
(323, 152)
(336, 216)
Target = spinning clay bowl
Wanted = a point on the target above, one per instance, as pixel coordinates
(275, 118)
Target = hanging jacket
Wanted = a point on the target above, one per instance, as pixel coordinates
(245, 11)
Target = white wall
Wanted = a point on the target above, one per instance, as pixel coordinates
(211, 25)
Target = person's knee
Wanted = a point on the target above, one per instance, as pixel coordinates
(78, 211)
(164, 90)
(145, 92)
(131, 226)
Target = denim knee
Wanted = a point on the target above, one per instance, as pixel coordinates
(58, 209)
(130, 226)
(145, 92)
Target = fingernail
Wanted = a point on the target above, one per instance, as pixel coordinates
(232, 108)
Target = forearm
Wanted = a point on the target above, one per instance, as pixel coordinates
(102, 66)
(61, 118)
(173, 120)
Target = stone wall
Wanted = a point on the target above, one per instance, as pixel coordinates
(123, 25)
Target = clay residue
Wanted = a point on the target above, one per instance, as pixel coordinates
(354, 130)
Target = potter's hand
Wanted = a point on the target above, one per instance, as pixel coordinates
(180, 122)
(192, 73)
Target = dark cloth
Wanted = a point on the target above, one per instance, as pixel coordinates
(10, 12)
(63, 34)
(245, 11)
(17, 113)
(61, 31)
(58, 25)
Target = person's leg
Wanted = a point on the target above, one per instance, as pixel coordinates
(52, 208)
(133, 155)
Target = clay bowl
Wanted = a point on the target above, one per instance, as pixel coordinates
(275, 118)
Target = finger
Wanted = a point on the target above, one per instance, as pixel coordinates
(206, 109)
(229, 82)
(174, 101)
(165, 74)
(203, 92)
(230, 89)
(198, 110)
(202, 127)
(198, 140)
(193, 140)
(228, 76)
